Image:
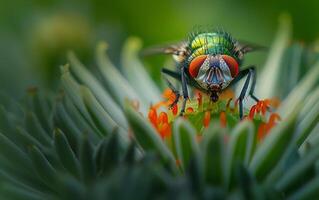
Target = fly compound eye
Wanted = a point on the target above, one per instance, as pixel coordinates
(195, 65)
(232, 65)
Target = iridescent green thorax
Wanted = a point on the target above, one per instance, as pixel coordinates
(213, 43)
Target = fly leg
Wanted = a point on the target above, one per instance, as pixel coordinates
(252, 88)
(171, 86)
(250, 71)
(242, 95)
(182, 77)
(171, 73)
(184, 88)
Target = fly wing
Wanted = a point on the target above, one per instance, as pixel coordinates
(170, 49)
(178, 50)
(174, 49)
(246, 47)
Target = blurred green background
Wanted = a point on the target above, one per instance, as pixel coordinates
(35, 34)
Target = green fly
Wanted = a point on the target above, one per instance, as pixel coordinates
(210, 62)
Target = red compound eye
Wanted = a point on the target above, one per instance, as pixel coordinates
(232, 64)
(196, 64)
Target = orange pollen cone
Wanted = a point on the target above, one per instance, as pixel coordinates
(223, 119)
(206, 119)
(189, 110)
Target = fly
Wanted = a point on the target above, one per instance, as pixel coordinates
(210, 62)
